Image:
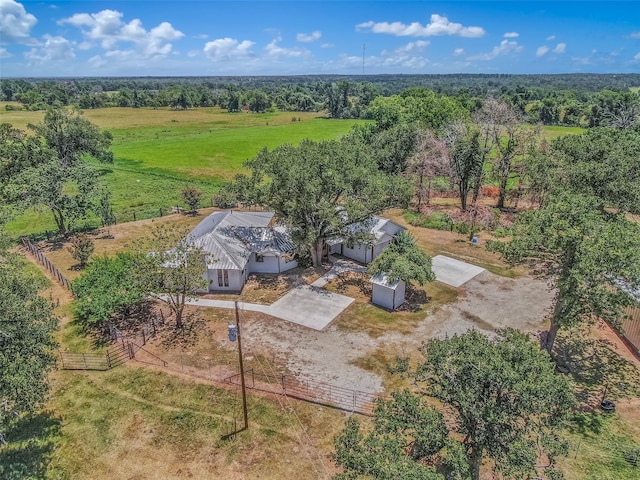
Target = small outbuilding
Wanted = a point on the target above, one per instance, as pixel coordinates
(386, 293)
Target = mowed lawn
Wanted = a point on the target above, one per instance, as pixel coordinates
(159, 151)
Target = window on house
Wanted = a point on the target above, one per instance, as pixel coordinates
(259, 258)
(223, 278)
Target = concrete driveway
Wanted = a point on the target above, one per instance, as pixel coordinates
(454, 272)
(309, 306)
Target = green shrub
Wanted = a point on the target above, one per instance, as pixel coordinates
(435, 221)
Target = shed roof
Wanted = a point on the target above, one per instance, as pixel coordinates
(383, 280)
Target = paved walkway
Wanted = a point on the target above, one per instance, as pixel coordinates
(309, 305)
(314, 307)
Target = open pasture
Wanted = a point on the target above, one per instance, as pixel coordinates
(159, 151)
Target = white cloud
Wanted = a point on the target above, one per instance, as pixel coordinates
(458, 51)
(97, 61)
(4, 53)
(635, 35)
(541, 51)
(274, 50)
(201, 36)
(439, 25)
(107, 27)
(506, 47)
(227, 48)
(551, 37)
(16, 23)
(312, 37)
(193, 53)
(560, 48)
(412, 47)
(327, 45)
(54, 49)
(637, 56)
(511, 35)
(408, 62)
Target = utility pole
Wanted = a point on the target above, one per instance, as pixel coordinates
(234, 332)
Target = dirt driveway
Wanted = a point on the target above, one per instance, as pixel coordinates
(486, 303)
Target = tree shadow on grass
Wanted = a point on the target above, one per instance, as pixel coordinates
(30, 443)
(193, 325)
(596, 368)
(415, 299)
(345, 280)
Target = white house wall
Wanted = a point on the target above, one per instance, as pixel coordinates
(268, 265)
(236, 281)
(271, 264)
(377, 249)
(359, 253)
(400, 292)
(284, 265)
(382, 296)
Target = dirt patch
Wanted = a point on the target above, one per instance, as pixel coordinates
(490, 302)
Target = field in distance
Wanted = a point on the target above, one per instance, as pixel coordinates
(158, 151)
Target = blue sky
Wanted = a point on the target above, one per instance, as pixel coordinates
(205, 37)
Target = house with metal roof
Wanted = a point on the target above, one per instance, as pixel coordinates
(379, 233)
(240, 243)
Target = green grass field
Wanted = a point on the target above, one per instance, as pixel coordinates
(159, 151)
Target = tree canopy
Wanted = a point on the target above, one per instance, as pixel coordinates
(320, 189)
(508, 405)
(602, 162)
(585, 250)
(27, 325)
(48, 170)
(108, 290)
(170, 263)
(403, 260)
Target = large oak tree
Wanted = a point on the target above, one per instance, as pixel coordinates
(320, 189)
(507, 403)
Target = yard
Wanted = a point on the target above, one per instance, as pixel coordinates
(170, 420)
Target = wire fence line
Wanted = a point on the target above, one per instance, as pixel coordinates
(43, 260)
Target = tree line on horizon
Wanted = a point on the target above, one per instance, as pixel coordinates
(585, 100)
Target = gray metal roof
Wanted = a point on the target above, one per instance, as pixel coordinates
(231, 237)
(382, 229)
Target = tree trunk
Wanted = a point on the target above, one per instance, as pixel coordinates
(316, 251)
(475, 461)
(551, 335)
(179, 322)
(463, 198)
(503, 192)
(57, 216)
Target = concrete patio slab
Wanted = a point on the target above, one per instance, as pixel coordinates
(454, 272)
(309, 306)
